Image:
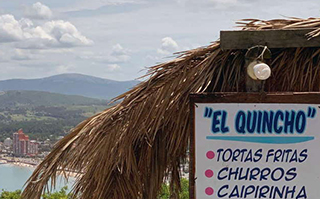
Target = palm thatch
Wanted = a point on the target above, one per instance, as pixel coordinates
(128, 150)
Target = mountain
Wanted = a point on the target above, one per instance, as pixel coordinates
(71, 84)
(44, 115)
(40, 98)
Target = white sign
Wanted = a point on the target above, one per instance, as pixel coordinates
(257, 151)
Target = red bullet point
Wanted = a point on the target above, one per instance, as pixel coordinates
(210, 154)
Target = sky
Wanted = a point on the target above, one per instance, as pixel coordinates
(119, 39)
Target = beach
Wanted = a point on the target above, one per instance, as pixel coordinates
(29, 163)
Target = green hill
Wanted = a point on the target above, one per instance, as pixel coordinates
(71, 84)
(40, 98)
(44, 115)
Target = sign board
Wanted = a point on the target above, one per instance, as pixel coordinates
(255, 146)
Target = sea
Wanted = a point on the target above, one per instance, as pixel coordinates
(13, 178)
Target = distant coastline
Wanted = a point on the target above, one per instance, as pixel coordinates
(25, 162)
(20, 163)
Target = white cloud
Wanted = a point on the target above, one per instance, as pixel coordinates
(117, 55)
(54, 34)
(22, 55)
(38, 11)
(168, 46)
(118, 50)
(136, 29)
(113, 67)
(10, 29)
(51, 34)
(25, 23)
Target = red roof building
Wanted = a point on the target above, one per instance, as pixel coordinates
(20, 143)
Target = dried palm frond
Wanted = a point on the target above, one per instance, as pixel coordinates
(290, 23)
(128, 150)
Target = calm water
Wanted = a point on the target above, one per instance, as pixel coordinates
(13, 177)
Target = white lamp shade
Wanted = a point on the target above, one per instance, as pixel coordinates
(262, 71)
(258, 70)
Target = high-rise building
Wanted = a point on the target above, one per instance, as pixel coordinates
(20, 143)
(33, 148)
(22, 146)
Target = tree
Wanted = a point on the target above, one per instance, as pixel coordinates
(184, 193)
(10, 195)
(62, 194)
(165, 192)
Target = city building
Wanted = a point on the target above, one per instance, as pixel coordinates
(33, 148)
(20, 143)
(22, 146)
(8, 143)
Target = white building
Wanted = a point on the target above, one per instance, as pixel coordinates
(8, 143)
(33, 148)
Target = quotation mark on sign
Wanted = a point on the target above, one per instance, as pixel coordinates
(208, 112)
(312, 112)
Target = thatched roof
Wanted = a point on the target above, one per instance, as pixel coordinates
(129, 149)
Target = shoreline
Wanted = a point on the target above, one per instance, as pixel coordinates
(33, 166)
(18, 162)
(13, 177)
(22, 164)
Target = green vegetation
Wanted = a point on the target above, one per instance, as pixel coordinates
(10, 195)
(44, 115)
(184, 194)
(44, 122)
(62, 194)
(39, 98)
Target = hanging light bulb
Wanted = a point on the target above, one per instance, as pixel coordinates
(259, 70)
(262, 71)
